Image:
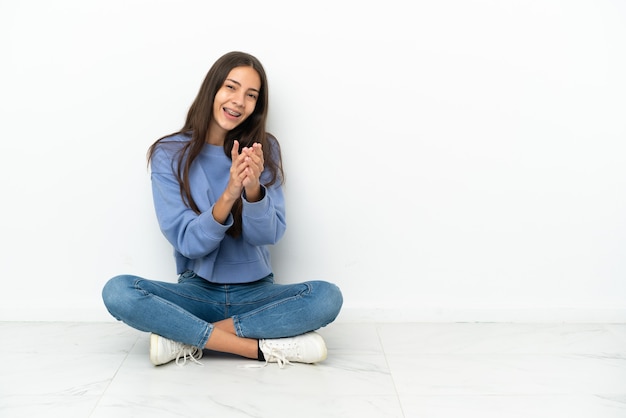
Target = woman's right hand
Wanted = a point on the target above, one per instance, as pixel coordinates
(237, 173)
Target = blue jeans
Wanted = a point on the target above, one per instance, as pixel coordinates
(185, 311)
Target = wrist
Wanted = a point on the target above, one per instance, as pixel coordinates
(254, 194)
(222, 208)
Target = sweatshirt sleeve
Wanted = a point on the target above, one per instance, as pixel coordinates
(192, 235)
(264, 221)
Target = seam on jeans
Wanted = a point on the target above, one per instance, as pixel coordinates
(238, 329)
(139, 288)
(226, 301)
(173, 290)
(306, 291)
(208, 330)
(275, 304)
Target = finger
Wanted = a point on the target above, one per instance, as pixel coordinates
(250, 178)
(256, 154)
(243, 157)
(258, 149)
(238, 168)
(234, 152)
(252, 165)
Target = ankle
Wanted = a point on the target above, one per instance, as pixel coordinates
(260, 355)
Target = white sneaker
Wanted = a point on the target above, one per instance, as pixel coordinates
(163, 351)
(305, 348)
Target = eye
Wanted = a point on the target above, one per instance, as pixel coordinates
(252, 96)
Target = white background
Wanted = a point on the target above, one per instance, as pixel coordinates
(446, 160)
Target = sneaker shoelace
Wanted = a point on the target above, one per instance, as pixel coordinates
(282, 352)
(188, 352)
(278, 355)
(272, 353)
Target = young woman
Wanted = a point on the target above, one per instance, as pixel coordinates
(217, 191)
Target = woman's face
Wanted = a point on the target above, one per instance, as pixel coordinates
(234, 102)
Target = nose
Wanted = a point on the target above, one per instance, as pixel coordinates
(239, 99)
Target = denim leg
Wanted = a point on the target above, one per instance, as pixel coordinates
(268, 310)
(167, 309)
(185, 311)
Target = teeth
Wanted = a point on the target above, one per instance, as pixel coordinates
(230, 112)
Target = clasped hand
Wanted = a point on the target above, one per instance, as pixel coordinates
(245, 171)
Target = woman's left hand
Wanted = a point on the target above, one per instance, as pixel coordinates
(252, 174)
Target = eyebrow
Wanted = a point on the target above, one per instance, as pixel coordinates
(239, 84)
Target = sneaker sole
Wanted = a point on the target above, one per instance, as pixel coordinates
(154, 349)
(324, 354)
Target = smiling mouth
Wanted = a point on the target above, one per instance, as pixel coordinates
(232, 112)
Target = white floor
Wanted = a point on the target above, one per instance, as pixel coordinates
(373, 370)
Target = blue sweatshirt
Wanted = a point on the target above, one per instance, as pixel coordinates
(200, 242)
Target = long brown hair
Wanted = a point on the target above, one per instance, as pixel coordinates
(250, 131)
